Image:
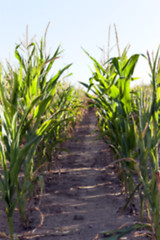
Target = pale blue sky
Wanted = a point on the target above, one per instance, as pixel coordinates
(81, 23)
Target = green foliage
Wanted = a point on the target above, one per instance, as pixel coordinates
(128, 121)
(116, 234)
(36, 112)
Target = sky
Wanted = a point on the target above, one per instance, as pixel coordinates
(77, 24)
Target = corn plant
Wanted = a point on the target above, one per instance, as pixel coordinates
(110, 85)
(13, 156)
(26, 97)
(149, 138)
(129, 123)
(67, 104)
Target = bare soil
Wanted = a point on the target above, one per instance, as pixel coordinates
(82, 197)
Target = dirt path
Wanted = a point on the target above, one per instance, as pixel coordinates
(85, 198)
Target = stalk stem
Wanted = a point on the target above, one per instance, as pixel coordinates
(157, 175)
(10, 224)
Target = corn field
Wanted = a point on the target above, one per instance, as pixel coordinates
(38, 112)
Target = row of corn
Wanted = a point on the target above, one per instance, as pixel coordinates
(128, 120)
(37, 111)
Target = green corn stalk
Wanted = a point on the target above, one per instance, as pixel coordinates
(66, 112)
(129, 122)
(154, 138)
(12, 158)
(26, 100)
(110, 86)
